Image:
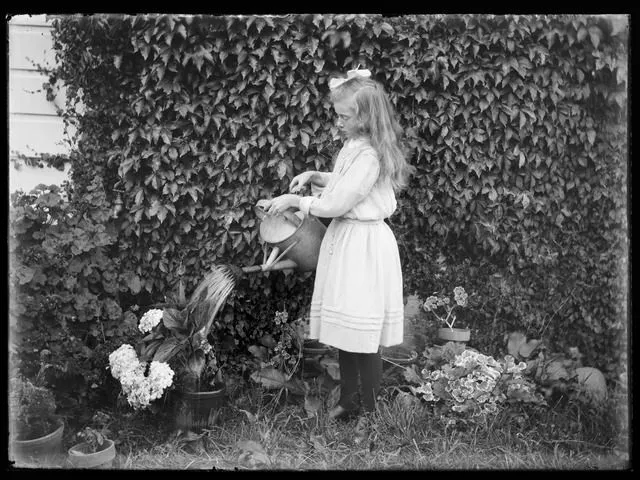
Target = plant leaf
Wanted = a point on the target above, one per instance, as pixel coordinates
(173, 319)
(332, 367)
(270, 378)
(312, 405)
(168, 350)
(261, 353)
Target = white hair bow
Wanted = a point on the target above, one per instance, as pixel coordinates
(336, 82)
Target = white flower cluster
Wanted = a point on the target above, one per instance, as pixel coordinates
(149, 320)
(122, 360)
(140, 389)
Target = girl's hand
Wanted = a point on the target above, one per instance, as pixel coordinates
(279, 204)
(300, 181)
(263, 203)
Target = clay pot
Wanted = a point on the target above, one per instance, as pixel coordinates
(80, 457)
(454, 334)
(40, 448)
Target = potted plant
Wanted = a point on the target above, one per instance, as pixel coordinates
(177, 347)
(36, 431)
(95, 449)
(443, 309)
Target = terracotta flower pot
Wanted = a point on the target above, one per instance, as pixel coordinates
(398, 355)
(454, 334)
(39, 448)
(80, 457)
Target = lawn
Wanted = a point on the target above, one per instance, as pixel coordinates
(258, 430)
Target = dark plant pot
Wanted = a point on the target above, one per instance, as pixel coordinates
(39, 448)
(454, 334)
(200, 409)
(79, 456)
(312, 348)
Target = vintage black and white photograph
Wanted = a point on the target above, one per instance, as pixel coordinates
(319, 242)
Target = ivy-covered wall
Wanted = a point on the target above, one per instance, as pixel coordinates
(516, 124)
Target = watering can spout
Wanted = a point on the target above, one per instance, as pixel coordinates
(285, 264)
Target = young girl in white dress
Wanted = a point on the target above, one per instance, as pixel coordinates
(357, 303)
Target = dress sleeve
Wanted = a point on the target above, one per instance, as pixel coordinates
(351, 188)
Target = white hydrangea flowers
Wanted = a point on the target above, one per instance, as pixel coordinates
(139, 388)
(149, 320)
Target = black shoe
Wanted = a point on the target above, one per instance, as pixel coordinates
(362, 430)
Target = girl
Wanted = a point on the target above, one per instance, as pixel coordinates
(357, 303)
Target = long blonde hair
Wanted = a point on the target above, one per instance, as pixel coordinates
(375, 118)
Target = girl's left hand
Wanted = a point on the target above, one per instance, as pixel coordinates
(282, 203)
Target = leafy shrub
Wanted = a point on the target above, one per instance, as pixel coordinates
(65, 302)
(516, 126)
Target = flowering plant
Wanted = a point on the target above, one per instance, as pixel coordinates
(465, 381)
(141, 382)
(436, 304)
(176, 334)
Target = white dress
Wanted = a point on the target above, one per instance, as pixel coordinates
(357, 303)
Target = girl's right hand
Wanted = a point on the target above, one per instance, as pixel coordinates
(300, 181)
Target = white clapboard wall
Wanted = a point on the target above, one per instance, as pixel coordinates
(34, 126)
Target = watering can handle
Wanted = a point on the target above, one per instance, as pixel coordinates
(292, 217)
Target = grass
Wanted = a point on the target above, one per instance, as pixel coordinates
(256, 433)
(259, 430)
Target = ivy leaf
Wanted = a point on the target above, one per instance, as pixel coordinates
(581, 34)
(304, 137)
(591, 135)
(595, 34)
(282, 169)
(162, 213)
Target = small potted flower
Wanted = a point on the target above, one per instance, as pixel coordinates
(443, 309)
(36, 431)
(95, 449)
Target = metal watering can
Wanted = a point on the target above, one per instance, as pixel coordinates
(295, 240)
